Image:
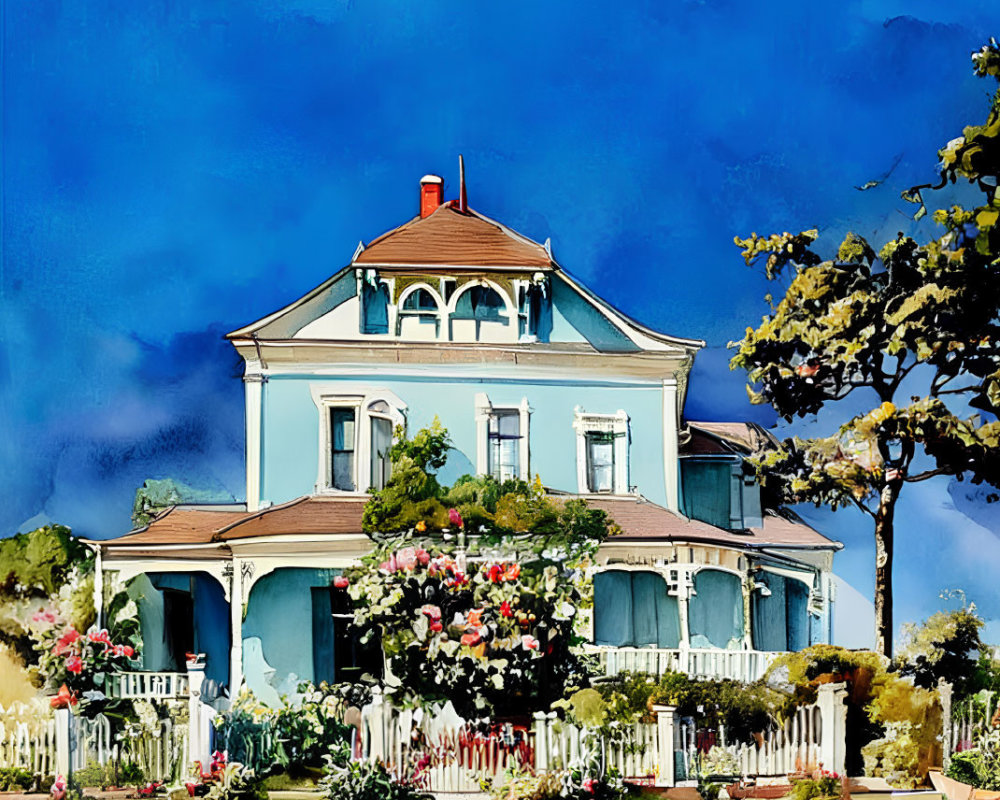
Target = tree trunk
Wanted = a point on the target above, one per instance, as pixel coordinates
(883, 565)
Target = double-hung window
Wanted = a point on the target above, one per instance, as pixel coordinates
(505, 444)
(502, 432)
(343, 424)
(355, 437)
(601, 452)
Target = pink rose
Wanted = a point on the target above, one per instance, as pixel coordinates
(588, 785)
(340, 582)
(455, 517)
(74, 664)
(423, 556)
(529, 642)
(434, 612)
(407, 559)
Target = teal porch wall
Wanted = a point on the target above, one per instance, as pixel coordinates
(279, 614)
(210, 625)
(291, 422)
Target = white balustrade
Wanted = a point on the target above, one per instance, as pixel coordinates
(740, 665)
(148, 685)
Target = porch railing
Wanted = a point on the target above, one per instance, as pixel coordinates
(149, 685)
(740, 665)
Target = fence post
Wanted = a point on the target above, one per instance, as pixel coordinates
(541, 742)
(833, 718)
(199, 737)
(666, 721)
(64, 742)
(945, 691)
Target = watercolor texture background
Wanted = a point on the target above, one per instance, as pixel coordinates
(173, 170)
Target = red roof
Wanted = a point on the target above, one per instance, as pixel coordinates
(451, 237)
(639, 520)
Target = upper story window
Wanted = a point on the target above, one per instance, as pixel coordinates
(480, 312)
(505, 444)
(601, 452)
(355, 438)
(419, 314)
(502, 449)
(342, 447)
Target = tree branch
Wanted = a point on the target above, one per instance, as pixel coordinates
(862, 506)
(957, 391)
(922, 476)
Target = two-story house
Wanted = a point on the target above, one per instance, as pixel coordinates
(453, 315)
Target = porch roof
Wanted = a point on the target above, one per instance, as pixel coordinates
(641, 520)
(720, 438)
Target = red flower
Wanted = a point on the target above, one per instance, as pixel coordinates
(66, 641)
(512, 572)
(423, 556)
(436, 626)
(100, 636)
(455, 517)
(64, 699)
(127, 651)
(434, 612)
(495, 573)
(470, 639)
(475, 617)
(505, 609)
(529, 642)
(340, 582)
(74, 664)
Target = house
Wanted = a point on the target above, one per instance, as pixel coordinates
(456, 316)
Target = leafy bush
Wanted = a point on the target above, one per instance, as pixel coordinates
(344, 779)
(572, 784)
(15, 778)
(290, 737)
(979, 767)
(827, 785)
(745, 709)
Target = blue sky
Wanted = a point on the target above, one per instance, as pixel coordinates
(173, 170)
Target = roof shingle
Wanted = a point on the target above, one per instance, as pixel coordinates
(451, 237)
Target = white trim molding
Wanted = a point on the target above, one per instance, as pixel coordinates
(484, 410)
(254, 390)
(671, 461)
(615, 424)
(326, 398)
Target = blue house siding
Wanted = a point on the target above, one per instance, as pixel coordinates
(291, 420)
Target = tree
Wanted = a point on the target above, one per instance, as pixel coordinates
(926, 314)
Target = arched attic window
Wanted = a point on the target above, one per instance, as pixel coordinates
(419, 315)
(480, 314)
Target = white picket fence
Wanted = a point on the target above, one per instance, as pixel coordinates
(149, 685)
(456, 759)
(746, 666)
(27, 738)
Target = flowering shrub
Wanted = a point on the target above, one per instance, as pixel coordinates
(345, 779)
(571, 784)
(73, 661)
(491, 636)
(823, 784)
(474, 590)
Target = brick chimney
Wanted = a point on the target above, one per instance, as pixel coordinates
(431, 194)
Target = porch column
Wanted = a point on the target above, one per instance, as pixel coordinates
(99, 587)
(236, 625)
(199, 737)
(253, 386)
(671, 466)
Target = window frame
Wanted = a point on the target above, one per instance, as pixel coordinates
(484, 412)
(360, 402)
(617, 425)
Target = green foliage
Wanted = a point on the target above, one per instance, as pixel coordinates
(827, 785)
(103, 776)
(36, 564)
(979, 767)
(745, 709)
(945, 646)
(573, 784)
(428, 450)
(155, 496)
(289, 738)
(14, 779)
(238, 783)
(345, 779)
